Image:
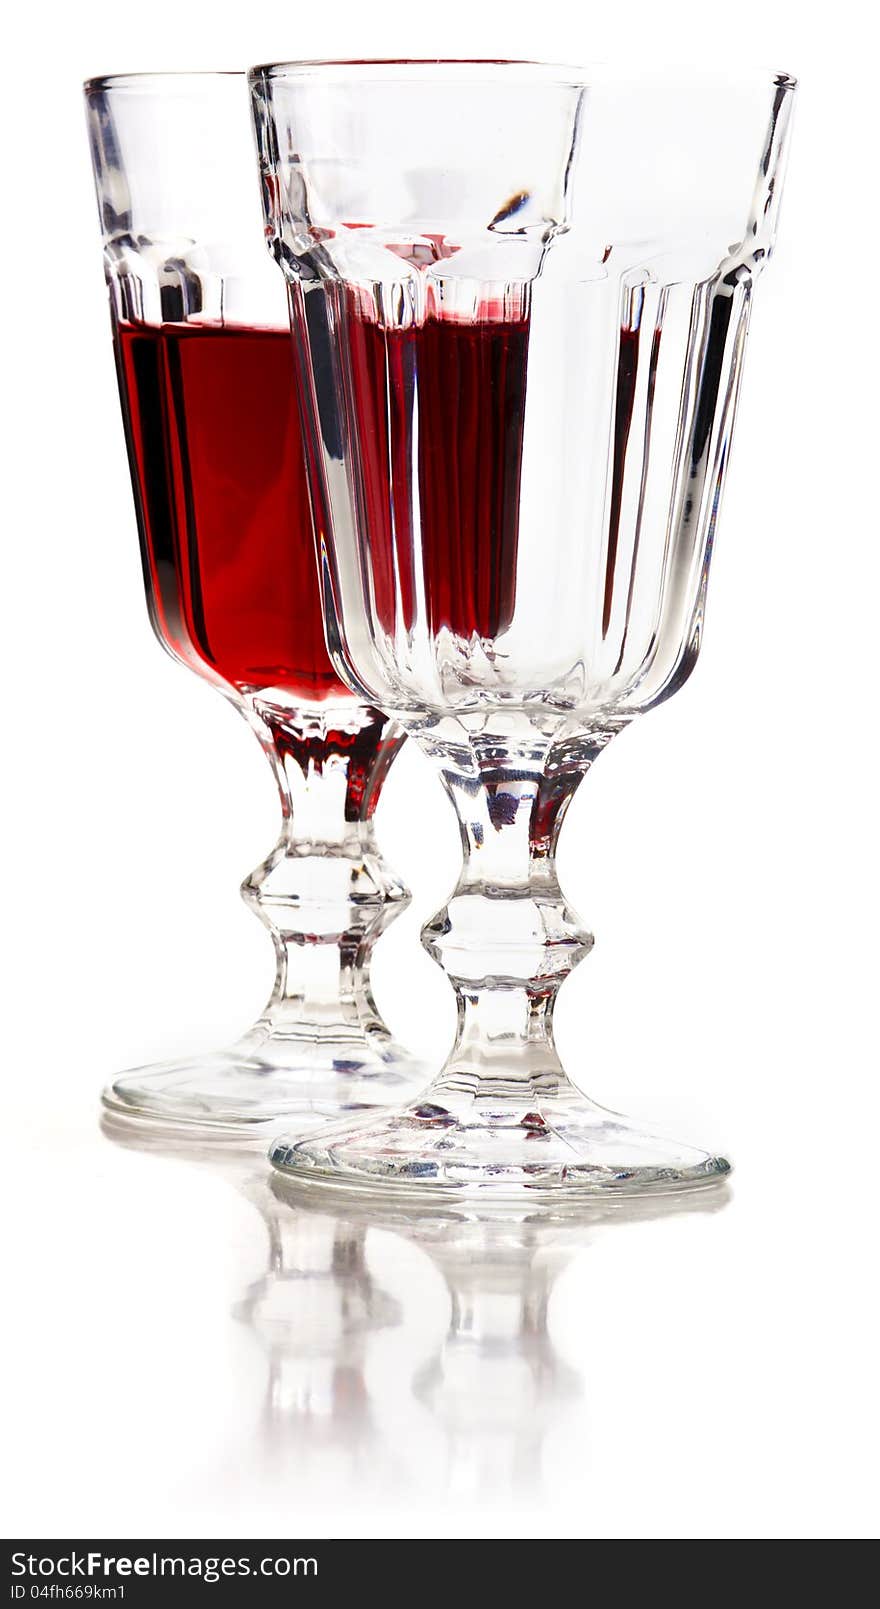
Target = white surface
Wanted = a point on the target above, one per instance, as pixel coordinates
(705, 1375)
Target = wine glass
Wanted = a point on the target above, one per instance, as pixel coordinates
(204, 361)
(520, 297)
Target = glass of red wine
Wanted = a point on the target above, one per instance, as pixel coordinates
(520, 297)
(205, 366)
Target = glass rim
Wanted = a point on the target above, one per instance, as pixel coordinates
(384, 69)
(149, 80)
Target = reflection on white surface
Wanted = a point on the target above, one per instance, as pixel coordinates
(362, 1395)
(189, 1353)
(316, 1311)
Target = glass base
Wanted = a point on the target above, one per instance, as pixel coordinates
(569, 1148)
(249, 1087)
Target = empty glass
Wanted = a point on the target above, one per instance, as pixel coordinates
(520, 296)
(205, 369)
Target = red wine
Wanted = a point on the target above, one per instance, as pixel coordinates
(463, 385)
(220, 484)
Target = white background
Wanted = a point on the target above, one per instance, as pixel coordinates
(724, 852)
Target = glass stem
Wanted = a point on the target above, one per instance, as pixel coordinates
(324, 892)
(507, 938)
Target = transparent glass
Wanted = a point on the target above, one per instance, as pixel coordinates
(520, 296)
(204, 360)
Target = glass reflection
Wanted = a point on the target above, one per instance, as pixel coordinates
(405, 1352)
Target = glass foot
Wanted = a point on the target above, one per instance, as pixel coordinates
(566, 1147)
(246, 1088)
